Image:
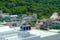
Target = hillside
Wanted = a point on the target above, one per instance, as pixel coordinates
(43, 8)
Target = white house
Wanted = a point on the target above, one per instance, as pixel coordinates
(54, 16)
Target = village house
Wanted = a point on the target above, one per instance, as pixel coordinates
(52, 23)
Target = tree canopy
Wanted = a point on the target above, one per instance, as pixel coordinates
(43, 8)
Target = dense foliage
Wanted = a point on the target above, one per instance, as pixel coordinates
(43, 8)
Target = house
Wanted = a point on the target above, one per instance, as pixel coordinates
(54, 16)
(52, 23)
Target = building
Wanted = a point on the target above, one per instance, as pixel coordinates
(54, 16)
(52, 23)
(7, 33)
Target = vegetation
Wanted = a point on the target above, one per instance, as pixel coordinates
(32, 24)
(43, 8)
(57, 27)
(14, 24)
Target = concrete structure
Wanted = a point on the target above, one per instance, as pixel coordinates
(30, 17)
(46, 35)
(1, 12)
(53, 22)
(49, 24)
(7, 33)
